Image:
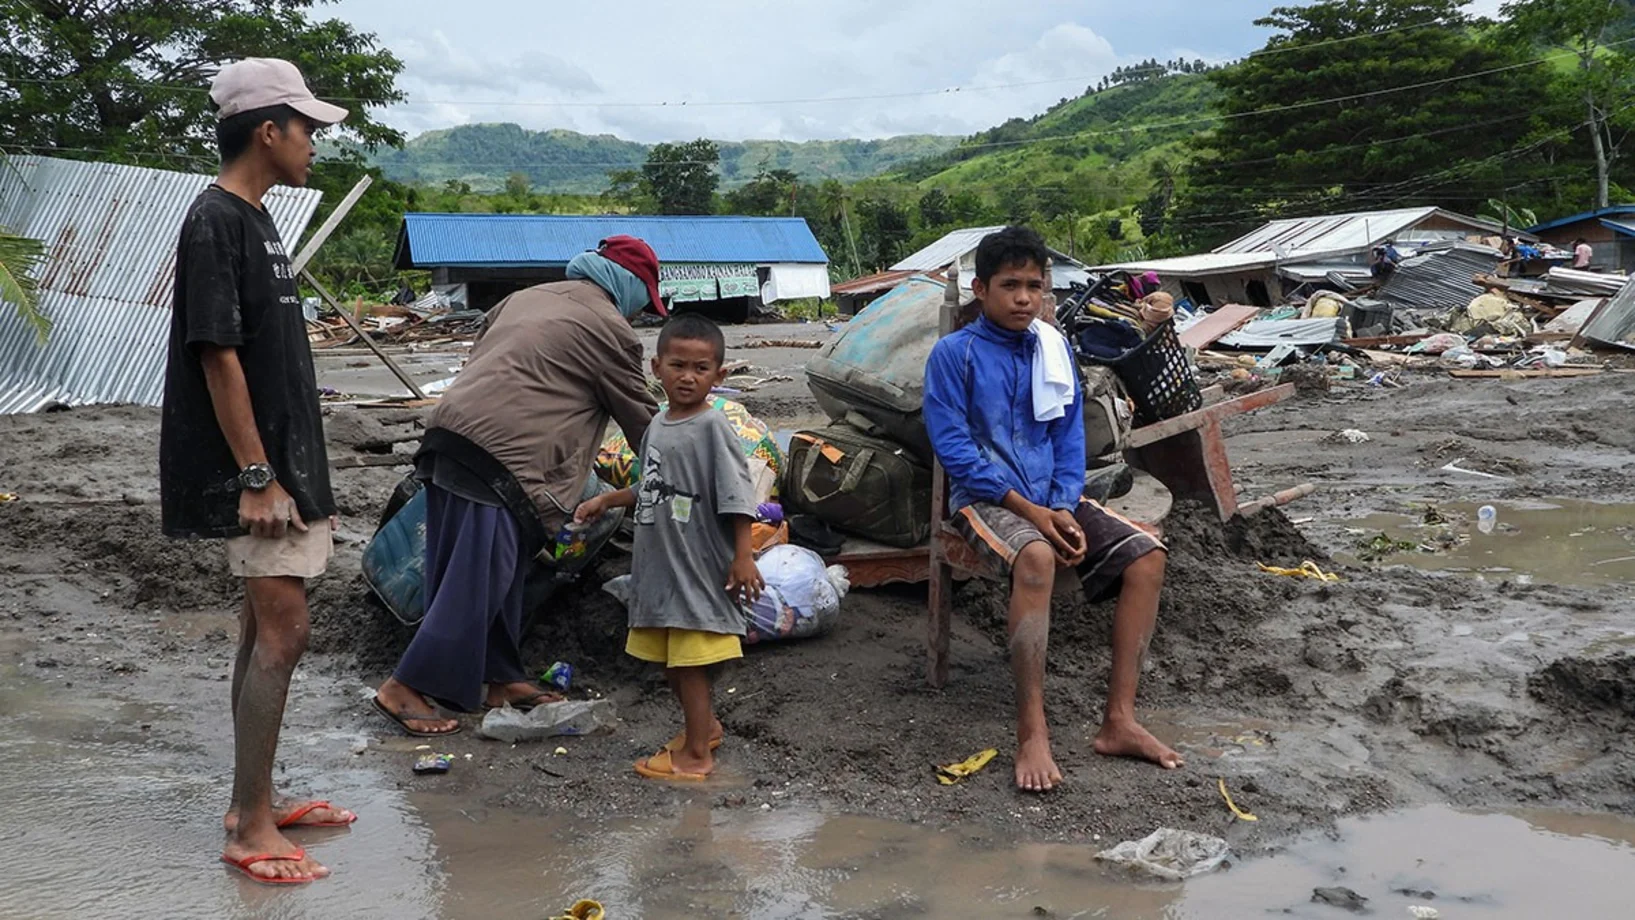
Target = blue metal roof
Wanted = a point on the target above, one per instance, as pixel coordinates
(1614, 211)
(544, 240)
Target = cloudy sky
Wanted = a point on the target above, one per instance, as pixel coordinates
(654, 70)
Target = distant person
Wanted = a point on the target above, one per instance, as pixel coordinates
(694, 558)
(504, 460)
(241, 443)
(1383, 263)
(1012, 444)
(1583, 254)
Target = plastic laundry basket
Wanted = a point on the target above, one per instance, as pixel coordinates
(1157, 376)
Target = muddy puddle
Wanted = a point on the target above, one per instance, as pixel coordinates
(109, 808)
(1559, 541)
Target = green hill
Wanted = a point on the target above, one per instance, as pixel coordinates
(1098, 148)
(567, 162)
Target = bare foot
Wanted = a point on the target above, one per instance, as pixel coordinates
(521, 694)
(283, 809)
(272, 843)
(1036, 769)
(412, 709)
(682, 762)
(1129, 739)
(717, 733)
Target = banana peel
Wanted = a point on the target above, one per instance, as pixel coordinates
(584, 910)
(957, 772)
(1308, 569)
(1241, 814)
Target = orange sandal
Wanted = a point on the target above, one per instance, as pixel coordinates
(660, 767)
(243, 865)
(293, 819)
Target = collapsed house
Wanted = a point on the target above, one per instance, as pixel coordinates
(1609, 231)
(1266, 267)
(110, 236)
(958, 247)
(727, 265)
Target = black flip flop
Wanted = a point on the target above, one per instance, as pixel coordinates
(403, 721)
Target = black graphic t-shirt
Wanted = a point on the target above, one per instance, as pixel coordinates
(235, 288)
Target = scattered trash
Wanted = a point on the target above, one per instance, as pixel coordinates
(1454, 467)
(433, 763)
(1339, 897)
(1240, 813)
(1437, 344)
(1170, 854)
(1348, 436)
(1487, 518)
(1424, 913)
(560, 752)
(1377, 547)
(781, 343)
(551, 720)
(7, 497)
(583, 910)
(1308, 569)
(558, 675)
(957, 772)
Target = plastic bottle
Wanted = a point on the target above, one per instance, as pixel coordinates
(1487, 518)
(569, 717)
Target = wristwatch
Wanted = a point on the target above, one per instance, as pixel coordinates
(256, 477)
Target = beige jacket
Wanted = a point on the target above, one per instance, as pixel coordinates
(553, 363)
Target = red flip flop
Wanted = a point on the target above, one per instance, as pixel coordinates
(243, 866)
(293, 819)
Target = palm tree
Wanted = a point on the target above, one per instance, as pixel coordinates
(20, 260)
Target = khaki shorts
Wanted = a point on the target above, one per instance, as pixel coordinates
(297, 555)
(1112, 542)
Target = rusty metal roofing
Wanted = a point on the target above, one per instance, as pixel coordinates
(110, 236)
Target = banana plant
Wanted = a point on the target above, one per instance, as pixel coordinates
(20, 261)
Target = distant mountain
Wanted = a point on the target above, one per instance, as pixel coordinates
(567, 162)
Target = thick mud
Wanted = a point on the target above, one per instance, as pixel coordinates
(1313, 701)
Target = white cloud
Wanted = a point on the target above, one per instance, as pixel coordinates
(571, 66)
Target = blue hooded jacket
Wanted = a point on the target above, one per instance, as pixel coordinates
(979, 414)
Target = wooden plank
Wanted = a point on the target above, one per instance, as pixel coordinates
(1192, 421)
(330, 223)
(1215, 326)
(1383, 341)
(1529, 374)
(383, 356)
(354, 463)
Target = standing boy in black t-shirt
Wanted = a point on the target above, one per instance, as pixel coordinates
(241, 446)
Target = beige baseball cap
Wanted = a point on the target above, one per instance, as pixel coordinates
(257, 83)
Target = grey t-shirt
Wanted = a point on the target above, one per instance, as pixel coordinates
(694, 474)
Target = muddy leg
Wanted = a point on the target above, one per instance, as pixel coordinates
(692, 688)
(279, 606)
(1121, 735)
(717, 731)
(246, 645)
(1031, 581)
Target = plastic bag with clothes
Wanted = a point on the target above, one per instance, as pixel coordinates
(1170, 854)
(801, 600)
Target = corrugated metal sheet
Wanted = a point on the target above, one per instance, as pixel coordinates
(1331, 234)
(110, 235)
(1439, 277)
(944, 252)
(513, 240)
(1208, 263)
(1615, 324)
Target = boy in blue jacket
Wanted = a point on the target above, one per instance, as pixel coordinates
(1013, 449)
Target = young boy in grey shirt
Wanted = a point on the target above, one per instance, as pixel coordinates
(694, 563)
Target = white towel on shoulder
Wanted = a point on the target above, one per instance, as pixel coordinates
(1054, 381)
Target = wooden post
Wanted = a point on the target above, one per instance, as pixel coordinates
(383, 356)
(940, 614)
(329, 225)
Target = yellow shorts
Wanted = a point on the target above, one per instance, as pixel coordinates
(683, 648)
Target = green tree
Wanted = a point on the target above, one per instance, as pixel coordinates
(518, 186)
(934, 209)
(1364, 104)
(1602, 80)
(884, 229)
(682, 178)
(20, 260)
(767, 195)
(128, 80)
